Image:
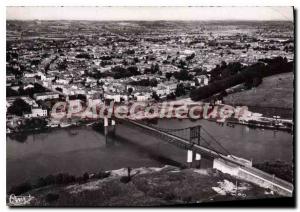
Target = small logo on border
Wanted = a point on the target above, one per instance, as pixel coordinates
(19, 200)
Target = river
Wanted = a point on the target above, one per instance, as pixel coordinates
(82, 149)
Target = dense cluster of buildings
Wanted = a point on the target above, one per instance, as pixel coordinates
(131, 61)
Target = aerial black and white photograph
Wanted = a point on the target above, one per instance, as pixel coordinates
(149, 106)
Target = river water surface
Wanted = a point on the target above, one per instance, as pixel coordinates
(82, 149)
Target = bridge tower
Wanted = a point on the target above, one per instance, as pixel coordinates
(193, 157)
(108, 121)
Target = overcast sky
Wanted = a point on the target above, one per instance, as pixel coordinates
(150, 13)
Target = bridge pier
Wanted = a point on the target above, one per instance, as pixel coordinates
(189, 157)
(198, 160)
(107, 123)
(113, 124)
(105, 128)
(193, 159)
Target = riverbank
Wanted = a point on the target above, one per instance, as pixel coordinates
(49, 126)
(263, 125)
(253, 122)
(168, 185)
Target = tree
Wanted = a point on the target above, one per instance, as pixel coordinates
(20, 189)
(152, 70)
(130, 51)
(190, 57)
(124, 62)
(62, 65)
(253, 82)
(130, 90)
(183, 75)
(169, 75)
(223, 64)
(59, 89)
(153, 82)
(196, 82)
(85, 56)
(19, 107)
(11, 92)
(156, 68)
(180, 91)
(120, 72)
(198, 71)
(182, 64)
(155, 96)
(171, 96)
(51, 197)
(85, 177)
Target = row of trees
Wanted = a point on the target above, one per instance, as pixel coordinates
(279, 168)
(145, 82)
(182, 75)
(19, 107)
(15, 70)
(251, 75)
(37, 88)
(225, 70)
(120, 72)
(34, 123)
(83, 56)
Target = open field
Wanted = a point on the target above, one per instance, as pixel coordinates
(275, 93)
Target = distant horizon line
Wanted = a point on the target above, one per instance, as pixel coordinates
(241, 20)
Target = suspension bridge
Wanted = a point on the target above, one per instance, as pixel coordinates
(200, 143)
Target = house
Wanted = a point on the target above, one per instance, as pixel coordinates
(36, 112)
(170, 86)
(29, 101)
(29, 75)
(166, 88)
(42, 76)
(62, 81)
(10, 77)
(202, 80)
(92, 102)
(161, 90)
(208, 67)
(45, 96)
(140, 97)
(114, 97)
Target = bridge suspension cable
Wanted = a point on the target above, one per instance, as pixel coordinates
(215, 140)
(183, 132)
(211, 146)
(188, 128)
